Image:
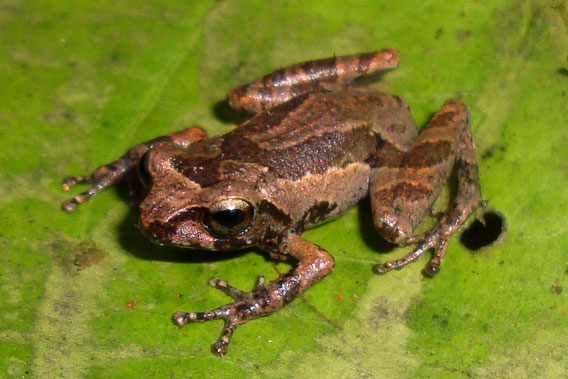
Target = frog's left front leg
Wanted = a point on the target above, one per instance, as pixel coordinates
(313, 264)
(401, 196)
(108, 175)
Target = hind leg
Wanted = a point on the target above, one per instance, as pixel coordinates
(401, 197)
(312, 76)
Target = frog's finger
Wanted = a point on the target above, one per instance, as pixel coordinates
(383, 268)
(433, 266)
(226, 288)
(182, 318)
(71, 181)
(220, 347)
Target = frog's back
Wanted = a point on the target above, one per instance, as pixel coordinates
(317, 131)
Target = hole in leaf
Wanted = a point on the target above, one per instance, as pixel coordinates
(479, 234)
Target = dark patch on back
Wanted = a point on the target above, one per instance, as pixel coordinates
(204, 171)
(318, 212)
(386, 154)
(427, 154)
(313, 155)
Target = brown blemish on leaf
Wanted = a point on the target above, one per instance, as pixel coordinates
(87, 254)
(556, 289)
(491, 151)
(74, 256)
(438, 33)
(131, 304)
(463, 34)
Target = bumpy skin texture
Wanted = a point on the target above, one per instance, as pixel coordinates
(316, 145)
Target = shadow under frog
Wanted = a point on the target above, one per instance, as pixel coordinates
(316, 144)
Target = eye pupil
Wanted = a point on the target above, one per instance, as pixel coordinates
(229, 217)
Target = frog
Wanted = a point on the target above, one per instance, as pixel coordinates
(318, 140)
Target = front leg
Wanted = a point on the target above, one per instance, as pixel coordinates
(313, 264)
(112, 173)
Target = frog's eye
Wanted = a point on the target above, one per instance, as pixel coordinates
(229, 217)
(143, 174)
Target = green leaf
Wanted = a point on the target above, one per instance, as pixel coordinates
(83, 295)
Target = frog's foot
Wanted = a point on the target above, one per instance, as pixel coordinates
(124, 167)
(98, 179)
(436, 240)
(247, 305)
(313, 263)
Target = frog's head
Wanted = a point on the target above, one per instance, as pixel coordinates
(184, 208)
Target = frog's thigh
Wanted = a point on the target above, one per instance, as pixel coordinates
(302, 78)
(401, 196)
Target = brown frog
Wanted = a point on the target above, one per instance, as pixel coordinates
(316, 145)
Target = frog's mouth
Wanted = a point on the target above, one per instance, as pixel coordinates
(183, 229)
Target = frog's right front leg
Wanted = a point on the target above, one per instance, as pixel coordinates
(112, 173)
(313, 264)
(312, 76)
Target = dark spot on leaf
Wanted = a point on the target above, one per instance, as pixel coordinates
(74, 256)
(443, 322)
(490, 152)
(562, 71)
(480, 234)
(438, 33)
(556, 289)
(88, 254)
(463, 34)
